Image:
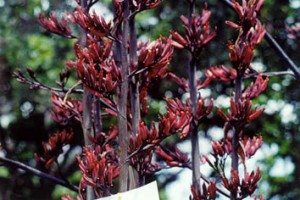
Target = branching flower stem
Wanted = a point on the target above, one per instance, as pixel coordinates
(38, 173)
(272, 42)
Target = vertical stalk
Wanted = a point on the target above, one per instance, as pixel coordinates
(235, 139)
(238, 92)
(193, 127)
(87, 107)
(98, 118)
(134, 88)
(122, 116)
(134, 95)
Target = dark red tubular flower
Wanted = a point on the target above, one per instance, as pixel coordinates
(96, 68)
(92, 23)
(154, 57)
(220, 73)
(209, 192)
(54, 147)
(247, 13)
(256, 88)
(240, 113)
(99, 167)
(251, 145)
(198, 34)
(53, 25)
(65, 109)
(173, 158)
(249, 183)
(140, 5)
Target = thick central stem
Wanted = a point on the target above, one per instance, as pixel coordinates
(235, 139)
(123, 96)
(87, 107)
(134, 97)
(193, 128)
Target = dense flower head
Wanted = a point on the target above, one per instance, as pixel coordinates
(92, 23)
(247, 13)
(241, 188)
(54, 147)
(99, 166)
(53, 25)
(65, 108)
(96, 68)
(209, 192)
(198, 33)
(241, 113)
(256, 88)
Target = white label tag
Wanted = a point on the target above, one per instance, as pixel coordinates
(146, 192)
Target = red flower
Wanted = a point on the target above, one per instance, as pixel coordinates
(99, 166)
(240, 113)
(198, 33)
(53, 148)
(173, 158)
(256, 88)
(247, 13)
(53, 25)
(64, 109)
(93, 24)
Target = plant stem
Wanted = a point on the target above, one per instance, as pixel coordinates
(193, 127)
(87, 106)
(235, 139)
(38, 173)
(122, 116)
(134, 95)
(98, 118)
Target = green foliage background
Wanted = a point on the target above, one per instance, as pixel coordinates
(25, 114)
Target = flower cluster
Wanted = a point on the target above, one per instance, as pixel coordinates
(198, 33)
(241, 188)
(140, 5)
(251, 32)
(242, 51)
(247, 13)
(99, 167)
(54, 147)
(53, 25)
(142, 147)
(201, 112)
(209, 192)
(64, 109)
(153, 59)
(219, 73)
(93, 24)
(240, 113)
(97, 69)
